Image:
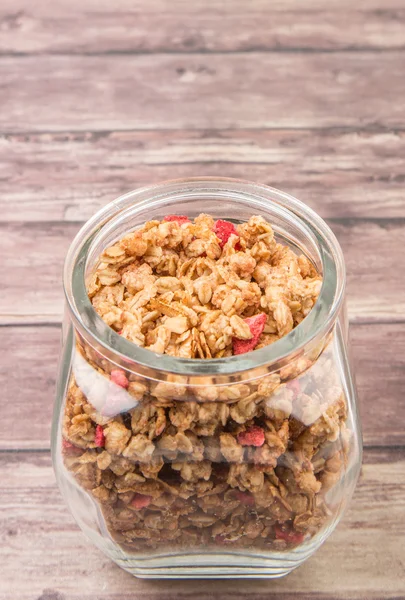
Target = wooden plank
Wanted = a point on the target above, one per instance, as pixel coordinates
(28, 374)
(199, 91)
(201, 25)
(378, 355)
(70, 176)
(364, 557)
(33, 255)
(29, 366)
(374, 258)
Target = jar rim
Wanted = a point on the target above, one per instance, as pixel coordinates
(319, 320)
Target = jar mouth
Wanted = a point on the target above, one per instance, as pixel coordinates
(307, 231)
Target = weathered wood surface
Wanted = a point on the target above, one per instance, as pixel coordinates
(363, 559)
(29, 365)
(68, 176)
(200, 25)
(199, 91)
(33, 255)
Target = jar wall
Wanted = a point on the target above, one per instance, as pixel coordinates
(260, 469)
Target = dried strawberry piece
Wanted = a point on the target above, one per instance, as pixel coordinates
(295, 386)
(254, 436)
(245, 498)
(99, 438)
(256, 326)
(289, 536)
(119, 377)
(223, 230)
(70, 448)
(140, 501)
(177, 218)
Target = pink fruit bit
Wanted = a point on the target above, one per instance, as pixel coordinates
(245, 498)
(256, 326)
(140, 501)
(254, 436)
(223, 230)
(67, 445)
(178, 218)
(99, 438)
(70, 448)
(119, 377)
(291, 537)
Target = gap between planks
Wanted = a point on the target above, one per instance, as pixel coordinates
(207, 52)
(369, 127)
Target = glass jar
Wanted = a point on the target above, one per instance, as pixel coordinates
(152, 471)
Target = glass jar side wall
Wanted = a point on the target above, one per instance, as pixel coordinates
(263, 467)
(226, 467)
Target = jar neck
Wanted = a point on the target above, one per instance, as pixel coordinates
(294, 224)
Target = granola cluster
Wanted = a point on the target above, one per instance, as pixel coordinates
(242, 464)
(186, 288)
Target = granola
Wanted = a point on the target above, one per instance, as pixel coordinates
(242, 464)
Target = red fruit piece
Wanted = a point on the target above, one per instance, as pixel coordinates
(295, 386)
(289, 536)
(70, 448)
(254, 436)
(245, 498)
(119, 377)
(256, 326)
(178, 218)
(99, 438)
(140, 501)
(223, 230)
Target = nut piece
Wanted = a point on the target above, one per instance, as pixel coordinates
(177, 324)
(231, 450)
(116, 437)
(241, 328)
(140, 448)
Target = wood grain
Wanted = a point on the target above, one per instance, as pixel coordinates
(40, 535)
(201, 25)
(68, 176)
(100, 97)
(29, 367)
(200, 91)
(33, 255)
(28, 374)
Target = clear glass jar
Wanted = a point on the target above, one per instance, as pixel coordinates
(152, 473)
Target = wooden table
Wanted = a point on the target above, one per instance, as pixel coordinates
(97, 98)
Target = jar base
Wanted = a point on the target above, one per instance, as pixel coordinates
(211, 566)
